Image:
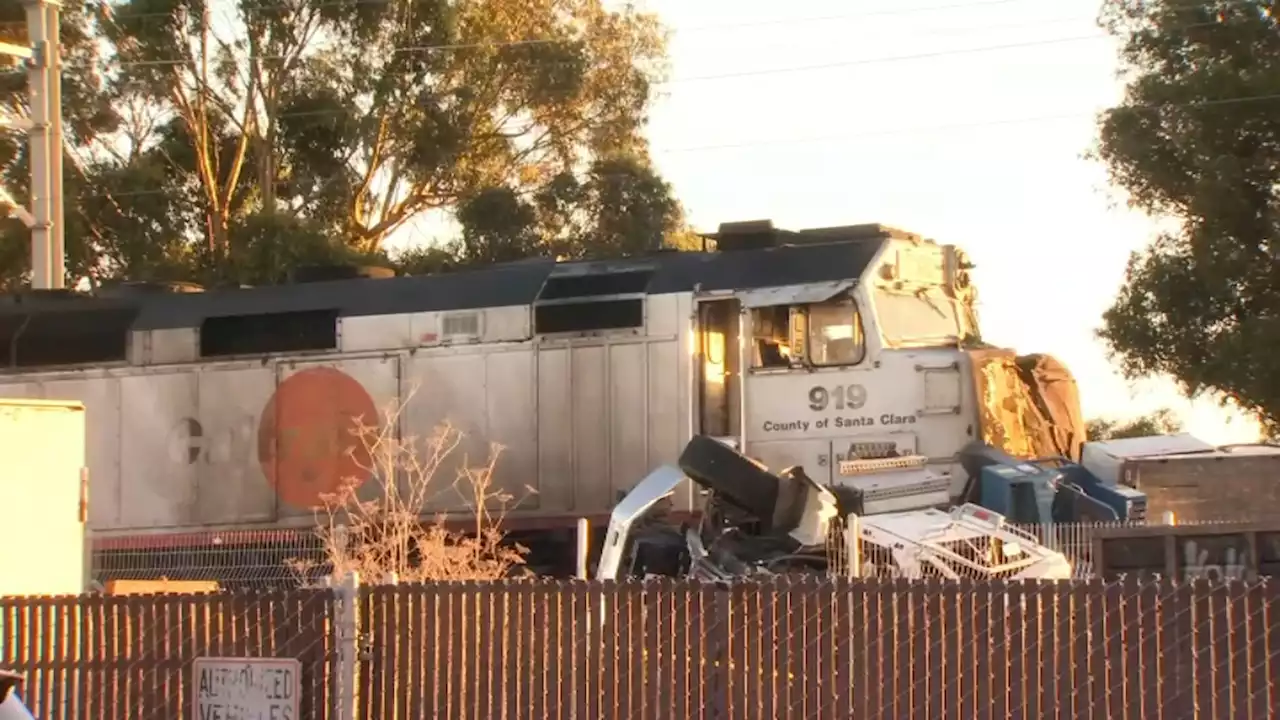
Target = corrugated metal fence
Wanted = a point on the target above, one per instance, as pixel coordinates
(785, 649)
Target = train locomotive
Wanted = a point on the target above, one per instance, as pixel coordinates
(813, 348)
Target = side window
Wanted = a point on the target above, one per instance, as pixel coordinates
(770, 337)
(835, 334)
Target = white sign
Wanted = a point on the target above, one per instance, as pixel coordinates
(230, 688)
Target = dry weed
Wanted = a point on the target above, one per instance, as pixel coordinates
(381, 528)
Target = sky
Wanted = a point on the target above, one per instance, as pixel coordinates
(967, 121)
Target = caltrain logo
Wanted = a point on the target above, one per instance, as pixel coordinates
(187, 442)
(303, 439)
(306, 446)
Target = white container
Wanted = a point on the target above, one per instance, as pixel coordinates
(43, 483)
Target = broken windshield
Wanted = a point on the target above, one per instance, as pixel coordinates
(918, 319)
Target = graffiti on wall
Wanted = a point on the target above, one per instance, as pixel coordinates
(1196, 565)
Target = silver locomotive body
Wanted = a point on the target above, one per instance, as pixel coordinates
(805, 348)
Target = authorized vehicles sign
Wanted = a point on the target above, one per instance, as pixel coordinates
(243, 688)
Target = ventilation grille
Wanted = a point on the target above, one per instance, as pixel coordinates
(285, 332)
(592, 302)
(460, 325)
(65, 337)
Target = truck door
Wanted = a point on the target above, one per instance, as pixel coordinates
(717, 367)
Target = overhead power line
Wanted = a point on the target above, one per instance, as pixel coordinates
(889, 10)
(166, 62)
(800, 69)
(886, 59)
(765, 22)
(699, 78)
(918, 130)
(882, 12)
(879, 60)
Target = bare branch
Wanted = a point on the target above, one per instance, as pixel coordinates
(386, 526)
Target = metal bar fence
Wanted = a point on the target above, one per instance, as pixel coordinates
(789, 648)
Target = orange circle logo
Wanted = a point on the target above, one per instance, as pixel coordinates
(305, 441)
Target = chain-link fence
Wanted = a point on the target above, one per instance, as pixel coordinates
(830, 649)
(285, 559)
(787, 648)
(135, 657)
(232, 560)
(1076, 540)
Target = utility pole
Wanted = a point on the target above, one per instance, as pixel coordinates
(44, 131)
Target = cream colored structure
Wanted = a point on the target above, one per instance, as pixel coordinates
(42, 480)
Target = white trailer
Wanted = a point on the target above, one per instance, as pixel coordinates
(44, 484)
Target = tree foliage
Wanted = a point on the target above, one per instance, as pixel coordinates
(226, 142)
(1160, 422)
(1196, 143)
(619, 207)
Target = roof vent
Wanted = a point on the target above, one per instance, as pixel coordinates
(865, 231)
(749, 235)
(326, 273)
(592, 297)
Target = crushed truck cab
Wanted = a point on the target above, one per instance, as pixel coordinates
(761, 523)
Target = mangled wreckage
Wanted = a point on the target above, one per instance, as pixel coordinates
(758, 523)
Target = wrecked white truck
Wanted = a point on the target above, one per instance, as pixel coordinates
(756, 523)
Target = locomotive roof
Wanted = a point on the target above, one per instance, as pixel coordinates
(516, 283)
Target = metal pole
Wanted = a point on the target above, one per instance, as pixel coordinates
(744, 363)
(348, 651)
(853, 546)
(38, 76)
(584, 549)
(58, 245)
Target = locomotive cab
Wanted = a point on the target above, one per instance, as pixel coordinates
(871, 366)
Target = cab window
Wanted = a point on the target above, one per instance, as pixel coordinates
(921, 319)
(770, 337)
(834, 334)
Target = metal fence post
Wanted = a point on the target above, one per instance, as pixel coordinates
(584, 549)
(853, 546)
(717, 645)
(347, 627)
